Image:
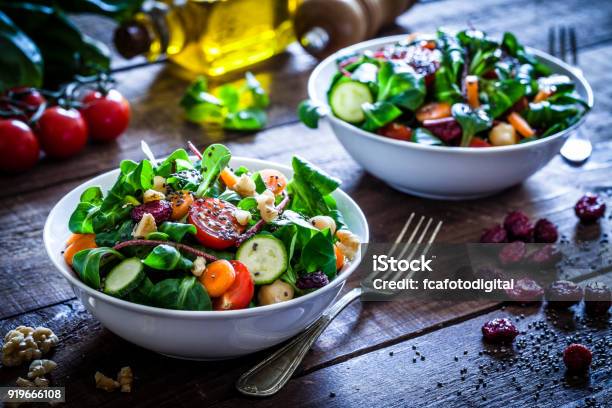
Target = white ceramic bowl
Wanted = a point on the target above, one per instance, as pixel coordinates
(439, 172)
(196, 334)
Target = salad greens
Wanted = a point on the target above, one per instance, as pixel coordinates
(464, 88)
(187, 234)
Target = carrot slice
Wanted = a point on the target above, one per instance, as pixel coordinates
(542, 95)
(471, 89)
(228, 177)
(433, 110)
(520, 125)
(84, 241)
(339, 257)
(180, 201)
(218, 277)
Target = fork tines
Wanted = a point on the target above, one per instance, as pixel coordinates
(559, 48)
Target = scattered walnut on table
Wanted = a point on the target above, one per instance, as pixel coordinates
(24, 344)
(125, 379)
(40, 368)
(105, 383)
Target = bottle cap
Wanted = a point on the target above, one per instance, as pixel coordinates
(131, 39)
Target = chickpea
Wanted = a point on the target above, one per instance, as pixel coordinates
(321, 222)
(276, 292)
(503, 135)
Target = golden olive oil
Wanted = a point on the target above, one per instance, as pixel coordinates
(218, 36)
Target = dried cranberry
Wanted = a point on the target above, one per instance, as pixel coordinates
(512, 253)
(312, 281)
(494, 235)
(590, 208)
(447, 129)
(545, 232)
(499, 331)
(488, 272)
(563, 294)
(161, 210)
(518, 226)
(544, 256)
(597, 298)
(577, 357)
(525, 290)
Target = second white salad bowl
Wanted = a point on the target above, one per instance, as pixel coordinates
(442, 172)
(200, 335)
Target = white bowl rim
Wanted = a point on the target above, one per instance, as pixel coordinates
(545, 57)
(195, 314)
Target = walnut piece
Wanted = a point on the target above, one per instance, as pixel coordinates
(245, 186)
(39, 368)
(265, 205)
(199, 266)
(105, 383)
(321, 222)
(125, 379)
(349, 243)
(152, 195)
(24, 344)
(242, 217)
(145, 226)
(159, 184)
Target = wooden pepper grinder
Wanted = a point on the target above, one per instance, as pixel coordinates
(325, 26)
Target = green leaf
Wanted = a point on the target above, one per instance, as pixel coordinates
(167, 258)
(502, 95)
(181, 294)
(178, 161)
(81, 220)
(400, 85)
(142, 293)
(309, 187)
(88, 263)
(158, 236)
(176, 230)
(424, 136)
(544, 114)
(318, 254)
(445, 88)
(258, 94)
(471, 121)
(122, 232)
(260, 185)
(379, 114)
(246, 120)
(452, 55)
(308, 113)
(22, 62)
(214, 159)
(229, 96)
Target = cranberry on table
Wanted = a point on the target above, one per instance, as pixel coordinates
(499, 331)
(525, 290)
(544, 256)
(545, 232)
(518, 226)
(577, 357)
(563, 294)
(161, 210)
(494, 235)
(512, 253)
(597, 298)
(19, 149)
(62, 132)
(590, 208)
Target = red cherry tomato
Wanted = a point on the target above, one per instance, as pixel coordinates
(19, 149)
(62, 132)
(478, 142)
(25, 99)
(239, 295)
(214, 220)
(396, 131)
(107, 116)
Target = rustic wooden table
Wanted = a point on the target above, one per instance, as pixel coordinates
(374, 354)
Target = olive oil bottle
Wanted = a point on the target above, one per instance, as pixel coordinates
(211, 37)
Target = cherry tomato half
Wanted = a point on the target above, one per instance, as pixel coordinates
(214, 220)
(239, 295)
(396, 131)
(107, 116)
(19, 149)
(62, 132)
(478, 142)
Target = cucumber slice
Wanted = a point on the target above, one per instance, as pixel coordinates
(124, 277)
(265, 256)
(346, 99)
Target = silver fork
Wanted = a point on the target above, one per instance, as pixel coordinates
(578, 148)
(269, 376)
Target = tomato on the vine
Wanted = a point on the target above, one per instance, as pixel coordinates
(23, 99)
(19, 149)
(215, 223)
(107, 116)
(240, 293)
(62, 132)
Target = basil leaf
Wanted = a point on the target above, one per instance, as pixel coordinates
(166, 258)
(177, 162)
(503, 95)
(214, 159)
(81, 220)
(308, 113)
(259, 97)
(379, 114)
(246, 119)
(176, 231)
(424, 136)
(22, 61)
(260, 185)
(89, 262)
(318, 254)
(471, 121)
(122, 232)
(181, 294)
(401, 86)
(229, 96)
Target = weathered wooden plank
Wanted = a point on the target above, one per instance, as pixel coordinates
(397, 376)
